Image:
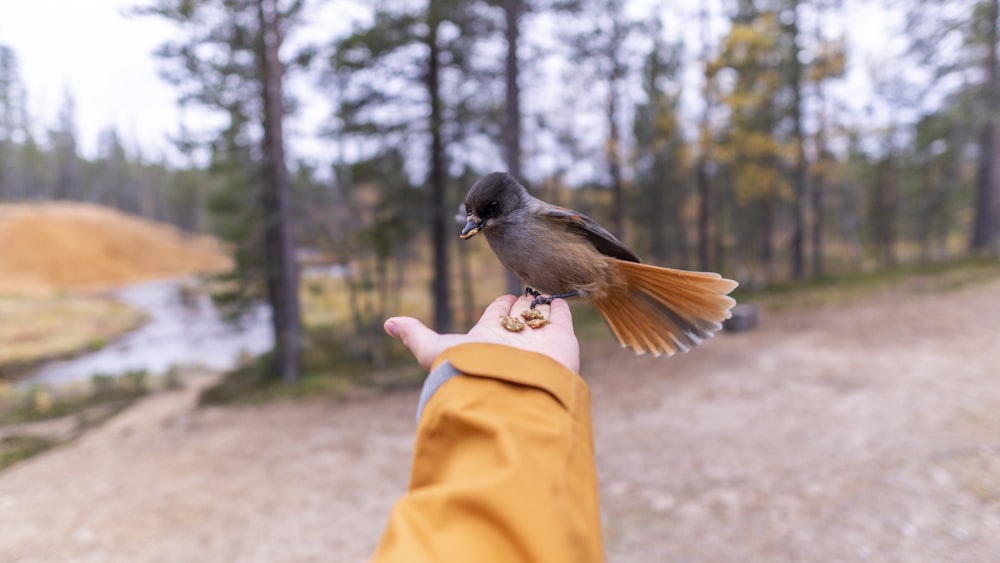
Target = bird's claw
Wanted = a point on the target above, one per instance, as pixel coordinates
(540, 300)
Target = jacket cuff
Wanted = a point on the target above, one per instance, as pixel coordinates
(443, 372)
(513, 365)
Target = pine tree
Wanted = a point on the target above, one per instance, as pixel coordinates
(228, 61)
(597, 50)
(750, 149)
(424, 109)
(13, 124)
(975, 26)
(661, 156)
(67, 161)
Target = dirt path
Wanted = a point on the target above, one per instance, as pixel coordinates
(871, 432)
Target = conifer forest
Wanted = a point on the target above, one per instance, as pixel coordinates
(748, 137)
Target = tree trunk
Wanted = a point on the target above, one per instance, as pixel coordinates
(799, 179)
(886, 204)
(6, 165)
(279, 242)
(440, 219)
(378, 349)
(704, 186)
(702, 180)
(512, 123)
(817, 219)
(824, 158)
(613, 150)
(656, 219)
(767, 236)
(984, 229)
(8, 82)
(616, 73)
(467, 286)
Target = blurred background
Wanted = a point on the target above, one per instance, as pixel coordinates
(208, 207)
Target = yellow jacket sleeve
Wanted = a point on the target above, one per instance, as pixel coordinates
(503, 466)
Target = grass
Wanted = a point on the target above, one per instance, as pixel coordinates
(913, 278)
(23, 446)
(37, 418)
(338, 361)
(326, 301)
(336, 364)
(338, 358)
(33, 329)
(254, 383)
(37, 403)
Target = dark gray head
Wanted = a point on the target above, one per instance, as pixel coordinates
(492, 198)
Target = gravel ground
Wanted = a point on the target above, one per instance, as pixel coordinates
(866, 432)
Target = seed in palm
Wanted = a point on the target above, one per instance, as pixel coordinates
(513, 324)
(534, 318)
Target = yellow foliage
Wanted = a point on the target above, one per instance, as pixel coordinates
(666, 122)
(830, 61)
(750, 43)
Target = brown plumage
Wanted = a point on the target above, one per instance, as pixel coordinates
(664, 310)
(560, 252)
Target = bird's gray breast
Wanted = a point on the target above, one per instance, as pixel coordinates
(533, 256)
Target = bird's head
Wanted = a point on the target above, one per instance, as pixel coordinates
(491, 199)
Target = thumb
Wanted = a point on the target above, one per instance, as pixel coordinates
(414, 335)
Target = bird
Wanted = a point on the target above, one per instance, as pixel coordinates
(561, 253)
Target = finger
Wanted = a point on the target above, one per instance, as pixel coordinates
(413, 334)
(561, 314)
(500, 307)
(521, 305)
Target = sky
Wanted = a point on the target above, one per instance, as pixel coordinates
(89, 48)
(104, 58)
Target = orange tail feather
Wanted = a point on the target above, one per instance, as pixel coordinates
(666, 310)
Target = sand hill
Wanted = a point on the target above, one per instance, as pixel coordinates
(63, 245)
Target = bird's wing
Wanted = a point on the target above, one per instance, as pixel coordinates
(603, 241)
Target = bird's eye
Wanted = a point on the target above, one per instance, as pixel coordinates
(494, 204)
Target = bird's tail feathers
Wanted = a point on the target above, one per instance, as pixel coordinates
(666, 310)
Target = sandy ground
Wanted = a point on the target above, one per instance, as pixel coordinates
(869, 432)
(51, 247)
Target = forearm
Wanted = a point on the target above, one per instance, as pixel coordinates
(503, 467)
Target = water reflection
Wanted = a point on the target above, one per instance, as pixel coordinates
(183, 328)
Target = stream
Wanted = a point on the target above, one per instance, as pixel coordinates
(183, 328)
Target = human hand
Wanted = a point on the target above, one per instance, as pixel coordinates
(556, 339)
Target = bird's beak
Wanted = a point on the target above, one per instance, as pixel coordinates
(473, 227)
